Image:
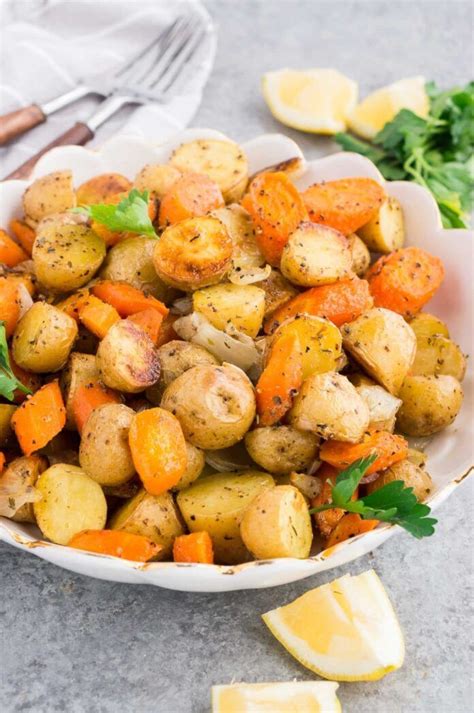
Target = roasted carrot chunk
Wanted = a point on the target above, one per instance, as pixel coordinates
(39, 418)
(10, 252)
(327, 520)
(2, 461)
(339, 302)
(280, 380)
(405, 280)
(389, 448)
(126, 299)
(346, 204)
(117, 543)
(72, 304)
(100, 188)
(111, 237)
(349, 526)
(158, 449)
(167, 333)
(9, 304)
(88, 397)
(277, 209)
(193, 195)
(97, 316)
(196, 547)
(24, 234)
(150, 321)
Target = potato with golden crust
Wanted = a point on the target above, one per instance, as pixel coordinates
(430, 403)
(53, 193)
(282, 449)
(316, 255)
(157, 179)
(99, 188)
(385, 232)
(412, 476)
(277, 290)
(215, 405)
(242, 306)
(127, 359)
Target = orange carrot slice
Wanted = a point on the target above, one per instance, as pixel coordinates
(9, 304)
(167, 333)
(158, 449)
(117, 543)
(196, 547)
(39, 418)
(389, 448)
(405, 280)
(150, 321)
(72, 304)
(126, 299)
(97, 316)
(24, 234)
(349, 526)
(10, 252)
(280, 380)
(191, 196)
(88, 397)
(2, 461)
(100, 188)
(346, 204)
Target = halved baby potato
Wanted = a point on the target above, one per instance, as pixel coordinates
(176, 357)
(193, 253)
(277, 291)
(277, 524)
(385, 232)
(329, 405)
(430, 403)
(427, 325)
(316, 255)
(53, 193)
(360, 255)
(383, 344)
(80, 370)
(412, 476)
(243, 306)
(282, 449)
(223, 161)
(438, 355)
(99, 188)
(131, 260)
(320, 341)
(157, 178)
(194, 467)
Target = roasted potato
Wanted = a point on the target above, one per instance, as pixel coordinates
(80, 370)
(417, 457)
(131, 260)
(20, 478)
(243, 306)
(153, 516)
(427, 325)
(127, 359)
(223, 161)
(385, 232)
(277, 291)
(382, 405)
(193, 253)
(157, 179)
(412, 475)
(104, 453)
(176, 357)
(53, 193)
(430, 403)
(194, 468)
(308, 485)
(360, 255)
(59, 219)
(320, 341)
(70, 502)
(277, 524)
(239, 225)
(99, 188)
(6, 430)
(383, 344)
(67, 257)
(216, 504)
(438, 355)
(282, 449)
(215, 405)
(43, 339)
(316, 255)
(329, 405)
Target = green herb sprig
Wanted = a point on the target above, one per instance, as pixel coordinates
(436, 151)
(8, 381)
(393, 502)
(130, 215)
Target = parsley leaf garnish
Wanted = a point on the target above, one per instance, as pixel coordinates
(8, 381)
(130, 215)
(393, 502)
(435, 151)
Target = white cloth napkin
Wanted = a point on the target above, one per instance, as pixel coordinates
(47, 46)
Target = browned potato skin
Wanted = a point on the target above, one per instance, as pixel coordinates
(277, 524)
(412, 475)
(215, 405)
(385, 232)
(157, 179)
(43, 339)
(430, 403)
(131, 260)
(194, 467)
(26, 469)
(282, 449)
(127, 359)
(53, 193)
(99, 188)
(278, 291)
(6, 430)
(104, 453)
(153, 516)
(176, 357)
(329, 405)
(80, 370)
(193, 253)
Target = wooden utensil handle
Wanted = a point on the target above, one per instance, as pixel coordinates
(78, 135)
(18, 122)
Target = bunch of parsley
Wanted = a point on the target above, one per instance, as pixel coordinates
(436, 152)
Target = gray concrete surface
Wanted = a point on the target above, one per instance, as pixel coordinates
(76, 645)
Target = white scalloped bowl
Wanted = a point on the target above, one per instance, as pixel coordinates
(450, 453)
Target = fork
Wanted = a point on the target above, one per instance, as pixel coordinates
(157, 70)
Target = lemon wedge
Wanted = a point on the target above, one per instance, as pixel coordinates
(345, 630)
(371, 115)
(291, 697)
(314, 100)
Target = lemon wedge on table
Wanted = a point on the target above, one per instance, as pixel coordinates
(371, 115)
(291, 697)
(314, 100)
(345, 630)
